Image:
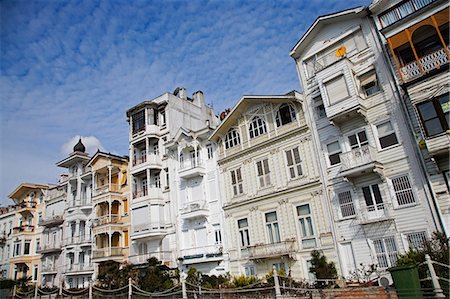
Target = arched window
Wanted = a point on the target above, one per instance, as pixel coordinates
(232, 138)
(285, 115)
(257, 127)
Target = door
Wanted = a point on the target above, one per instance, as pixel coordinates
(374, 201)
(348, 259)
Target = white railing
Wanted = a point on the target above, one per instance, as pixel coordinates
(194, 206)
(77, 240)
(51, 220)
(143, 258)
(80, 202)
(79, 267)
(108, 251)
(140, 193)
(211, 251)
(191, 163)
(148, 227)
(106, 188)
(139, 160)
(428, 63)
(49, 268)
(357, 157)
(271, 249)
(375, 213)
(50, 246)
(106, 219)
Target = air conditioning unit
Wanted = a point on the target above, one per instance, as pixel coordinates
(385, 280)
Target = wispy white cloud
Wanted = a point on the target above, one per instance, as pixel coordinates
(73, 68)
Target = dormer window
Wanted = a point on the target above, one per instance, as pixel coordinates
(257, 127)
(232, 138)
(285, 115)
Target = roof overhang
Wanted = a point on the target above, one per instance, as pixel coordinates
(244, 103)
(320, 22)
(73, 158)
(24, 188)
(100, 154)
(156, 102)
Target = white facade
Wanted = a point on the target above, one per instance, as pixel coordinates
(367, 159)
(275, 208)
(175, 205)
(6, 230)
(423, 82)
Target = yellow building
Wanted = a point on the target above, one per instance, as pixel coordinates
(111, 222)
(29, 200)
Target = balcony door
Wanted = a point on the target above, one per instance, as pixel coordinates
(374, 201)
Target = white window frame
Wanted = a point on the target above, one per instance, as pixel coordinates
(232, 138)
(250, 270)
(333, 153)
(390, 257)
(292, 115)
(209, 150)
(377, 135)
(359, 143)
(306, 234)
(264, 179)
(366, 77)
(294, 167)
(413, 237)
(347, 205)
(395, 193)
(257, 127)
(273, 233)
(336, 77)
(244, 234)
(238, 186)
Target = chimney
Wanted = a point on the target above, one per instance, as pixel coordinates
(182, 93)
(199, 99)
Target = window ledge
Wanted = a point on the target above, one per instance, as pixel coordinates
(347, 218)
(399, 207)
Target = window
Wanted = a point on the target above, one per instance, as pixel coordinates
(257, 127)
(26, 248)
(434, 115)
(263, 173)
(372, 197)
(358, 140)
(250, 271)
(369, 83)
(217, 234)
(16, 251)
(236, 182)
(232, 138)
(319, 107)
(41, 198)
(334, 150)
(294, 163)
(144, 187)
(273, 231)
(181, 158)
(35, 272)
(285, 115)
(416, 240)
(306, 226)
(403, 190)
(243, 233)
(386, 252)
(32, 196)
(280, 267)
(209, 149)
(346, 204)
(138, 121)
(336, 89)
(386, 135)
(157, 180)
(162, 118)
(166, 170)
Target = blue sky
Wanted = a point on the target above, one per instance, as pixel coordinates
(73, 68)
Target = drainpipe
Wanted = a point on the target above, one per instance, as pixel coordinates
(434, 206)
(321, 174)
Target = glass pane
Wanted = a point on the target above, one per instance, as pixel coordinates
(377, 194)
(427, 110)
(270, 217)
(333, 147)
(243, 223)
(292, 172)
(388, 140)
(289, 158)
(266, 166)
(433, 126)
(362, 137)
(367, 196)
(296, 155)
(385, 128)
(259, 166)
(303, 210)
(352, 140)
(276, 233)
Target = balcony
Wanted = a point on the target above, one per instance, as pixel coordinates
(47, 248)
(203, 254)
(49, 268)
(80, 240)
(163, 256)
(106, 219)
(79, 268)
(153, 192)
(151, 161)
(23, 229)
(191, 169)
(109, 252)
(3, 238)
(439, 144)
(375, 214)
(51, 221)
(272, 250)
(425, 65)
(106, 189)
(360, 161)
(149, 129)
(26, 207)
(148, 230)
(83, 203)
(194, 209)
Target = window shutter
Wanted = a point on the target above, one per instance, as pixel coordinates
(336, 89)
(367, 78)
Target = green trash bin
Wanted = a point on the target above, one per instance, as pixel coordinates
(406, 282)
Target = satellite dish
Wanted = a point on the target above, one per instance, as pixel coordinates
(340, 52)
